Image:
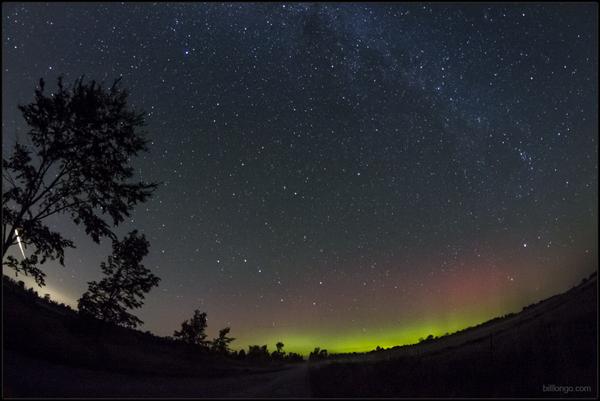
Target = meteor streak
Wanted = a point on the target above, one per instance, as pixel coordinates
(20, 244)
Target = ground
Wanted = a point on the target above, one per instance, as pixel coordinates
(30, 377)
(551, 343)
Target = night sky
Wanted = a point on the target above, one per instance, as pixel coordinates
(337, 175)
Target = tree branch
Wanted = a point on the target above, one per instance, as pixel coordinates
(40, 215)
(39, 177)
(24, 208)
(48, 188)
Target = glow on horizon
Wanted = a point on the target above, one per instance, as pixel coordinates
(437, 324)
(369, 339)
(55, 294)
(469, 300)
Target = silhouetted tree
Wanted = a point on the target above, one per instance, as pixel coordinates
(253, 351)
(260, 352)
(192, 331)
(241, 354)
(126, 282)
(279, 353)
(318, 354)
(279, 347)
(314, 354)
(429, 338)
(294, 357)
(221, 343)
(81, 141)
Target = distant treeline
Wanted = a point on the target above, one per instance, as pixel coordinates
(90, 325)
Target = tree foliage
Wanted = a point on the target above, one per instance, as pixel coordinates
(77, 162)
(193, 330)
(123, 288)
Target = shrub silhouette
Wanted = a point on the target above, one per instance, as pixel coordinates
(429, 338)
(82, 141)
(124, 286)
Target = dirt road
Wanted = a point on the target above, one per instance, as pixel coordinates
(28, 377)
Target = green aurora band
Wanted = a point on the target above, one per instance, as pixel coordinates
(357, 340)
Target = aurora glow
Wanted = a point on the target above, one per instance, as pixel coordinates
(342, 176)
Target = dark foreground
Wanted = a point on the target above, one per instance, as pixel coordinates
(28, 377)
(547, 350)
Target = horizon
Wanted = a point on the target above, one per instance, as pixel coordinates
(408, 340)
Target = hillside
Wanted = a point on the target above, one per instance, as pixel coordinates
(551, 343)
(50, 351)
(44, 330)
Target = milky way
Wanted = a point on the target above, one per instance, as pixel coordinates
(337, 175)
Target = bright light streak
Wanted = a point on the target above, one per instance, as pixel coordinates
(20, 244)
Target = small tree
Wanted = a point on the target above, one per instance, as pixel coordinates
(260, 352)
(279, 353)
(315, 354)
(124, 286)
(192, 331)
(82, 140)
(221, 343)
(318, 354)
(279, 347)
